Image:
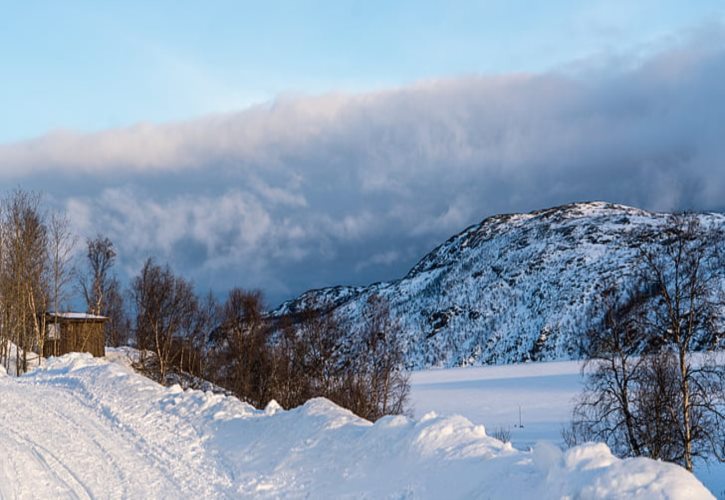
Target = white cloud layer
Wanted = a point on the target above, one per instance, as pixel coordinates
(309, 191)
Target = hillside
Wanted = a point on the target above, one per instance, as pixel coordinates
(517, 287)
(82, 427)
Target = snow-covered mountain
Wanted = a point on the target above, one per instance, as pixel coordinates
(513, 288)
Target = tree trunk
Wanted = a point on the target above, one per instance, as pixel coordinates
(686, 424)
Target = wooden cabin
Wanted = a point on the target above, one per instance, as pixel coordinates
(74, 332)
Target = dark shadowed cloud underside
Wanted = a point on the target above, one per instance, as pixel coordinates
(351, 188)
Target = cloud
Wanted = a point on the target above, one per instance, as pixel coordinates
(350, 188)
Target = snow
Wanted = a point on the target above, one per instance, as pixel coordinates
(123, 355)
(12, 358)
(83, 427)
(76, 315)
(544, 392)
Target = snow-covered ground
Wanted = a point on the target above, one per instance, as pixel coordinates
(544, 393)
(81, 427)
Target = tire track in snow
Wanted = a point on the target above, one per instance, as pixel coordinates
(74, 455)
(175, 446)
(28, 463)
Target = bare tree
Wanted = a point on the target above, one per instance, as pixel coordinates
(647, 394)
(24, 274)
(61, 242)
(102, 291)
(165, 312)
(319, 334)
(118, 324)
(194, 357)
(683, 268)
(242, 358)
(606, 411)
(96, 281)
(293, 385)
(375, 380)
(655, 397)
(305, 356)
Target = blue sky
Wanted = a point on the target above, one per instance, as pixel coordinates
(88, 65)
(310, 144)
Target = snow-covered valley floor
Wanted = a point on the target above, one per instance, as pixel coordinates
(544, 394)
(88, 428)
(494, 394)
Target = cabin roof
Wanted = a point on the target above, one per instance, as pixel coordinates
(76, 316)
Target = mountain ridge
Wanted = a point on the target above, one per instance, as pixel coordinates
(514, 287)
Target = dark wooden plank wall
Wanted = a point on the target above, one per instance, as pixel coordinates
(77, 336)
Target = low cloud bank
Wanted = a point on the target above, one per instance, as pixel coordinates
(311, 191)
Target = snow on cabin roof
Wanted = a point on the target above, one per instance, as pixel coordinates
(75, 315)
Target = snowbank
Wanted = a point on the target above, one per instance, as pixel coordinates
(33, 359)
(98, 429)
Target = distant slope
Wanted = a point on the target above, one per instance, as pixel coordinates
(513, 288)
(82, 427)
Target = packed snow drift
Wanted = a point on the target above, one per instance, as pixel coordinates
(81, 427)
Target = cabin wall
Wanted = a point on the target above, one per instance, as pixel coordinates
(77, 337)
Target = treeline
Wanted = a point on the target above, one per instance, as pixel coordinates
(182, 336)
(646, 393)
(235, 346)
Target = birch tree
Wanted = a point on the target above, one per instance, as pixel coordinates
(61, 243)
(24, 273)
(647, 394)
(683, 271)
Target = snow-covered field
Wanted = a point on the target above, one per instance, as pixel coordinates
(81, 427)
(543, 392)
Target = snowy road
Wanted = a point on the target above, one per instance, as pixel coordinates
(44, 427)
